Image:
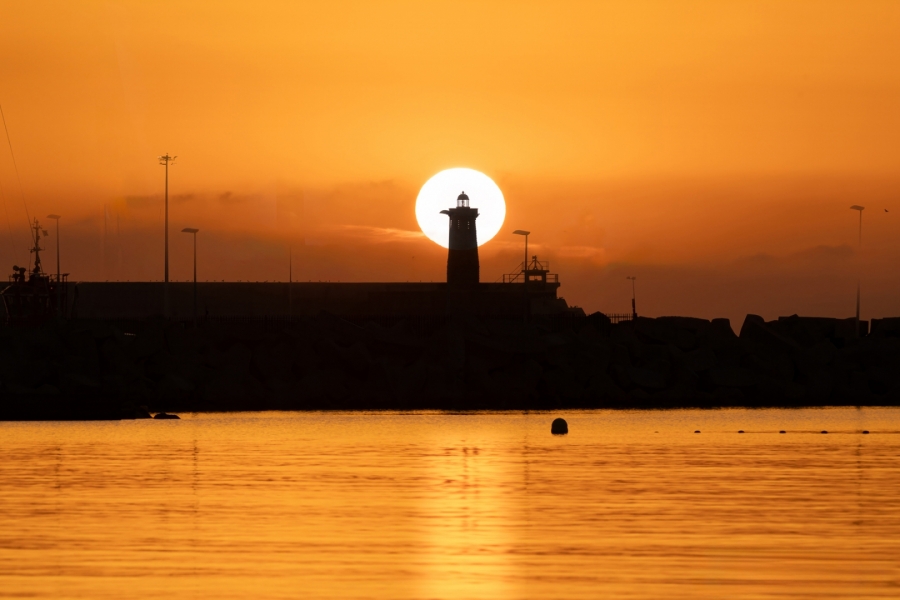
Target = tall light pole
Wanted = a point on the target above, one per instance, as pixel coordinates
(633, 308)
(193, 231)
(166, 160)
(524, 269)
(58, 281)
(858, 275)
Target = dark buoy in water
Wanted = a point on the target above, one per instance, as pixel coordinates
(740, 431)
(698, 431)
(163, 415)
(782, 431)
(866, 431)
(824, 431)
(559, 427)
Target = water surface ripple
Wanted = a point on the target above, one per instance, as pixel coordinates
(630, 504)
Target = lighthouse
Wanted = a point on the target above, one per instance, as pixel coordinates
(462, 257)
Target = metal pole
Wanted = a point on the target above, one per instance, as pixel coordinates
(633, 296)
(57, 252)
(858, 276)
(525, 280)
(166, 269)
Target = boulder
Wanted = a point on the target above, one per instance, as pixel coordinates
(623, 333)
(647, 378)
(756, 332)
(669, 330)
(603, 387)
(620, 356)
(147, 342)
(889, 327)
(806, 331)
(721, 329)
(699, 360)
(732, 377)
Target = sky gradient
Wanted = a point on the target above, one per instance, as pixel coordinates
(711, 149)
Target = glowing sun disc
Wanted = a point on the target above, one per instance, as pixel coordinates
(440, 192)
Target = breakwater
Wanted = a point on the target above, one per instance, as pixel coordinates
(99, 369)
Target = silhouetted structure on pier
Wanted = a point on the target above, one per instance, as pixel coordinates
(462, 294)
(33, 297)
(462, 256)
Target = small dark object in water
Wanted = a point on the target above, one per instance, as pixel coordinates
(698, 431)
(866, 431)
(559, 427)
(163, 415)
(740, 431)
(824, 431)
(782, 431)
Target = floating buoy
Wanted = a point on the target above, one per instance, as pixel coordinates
(164, 415)
(559, 427)
(866, 431)
(740, 431)
(824, 431)
(698, 431)
(782, 431)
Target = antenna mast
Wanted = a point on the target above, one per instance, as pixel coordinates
(37, 247)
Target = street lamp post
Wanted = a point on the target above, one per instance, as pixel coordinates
(633, 308)
(166, 160)
(524, 269)
(859, 208)
(193, 231)
(58, 280)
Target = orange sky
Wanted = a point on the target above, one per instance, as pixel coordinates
(712, 149)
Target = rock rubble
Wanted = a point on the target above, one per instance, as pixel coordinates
(95, 369)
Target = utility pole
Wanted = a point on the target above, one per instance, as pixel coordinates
(633, 309)
(166, 160)
(859, 275)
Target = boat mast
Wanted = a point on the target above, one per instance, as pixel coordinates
(37, 248)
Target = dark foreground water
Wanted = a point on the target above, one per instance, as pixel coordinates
(431, 505)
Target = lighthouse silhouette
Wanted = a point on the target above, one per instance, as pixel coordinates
(462, 257)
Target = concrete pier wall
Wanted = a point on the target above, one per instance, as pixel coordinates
(135, 300)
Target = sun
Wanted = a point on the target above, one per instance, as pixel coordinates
(440, 192)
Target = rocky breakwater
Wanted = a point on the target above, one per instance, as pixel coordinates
(92, 369)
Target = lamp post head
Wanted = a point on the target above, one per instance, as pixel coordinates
(857, 207)
(189, 230)
(631, 278)
(521, 232)
(54, 217)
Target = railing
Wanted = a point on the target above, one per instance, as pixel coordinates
(618, 318)
(517, 278)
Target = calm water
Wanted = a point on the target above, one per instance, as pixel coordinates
(431, 505)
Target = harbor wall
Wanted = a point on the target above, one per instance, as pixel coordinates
(136, 300)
